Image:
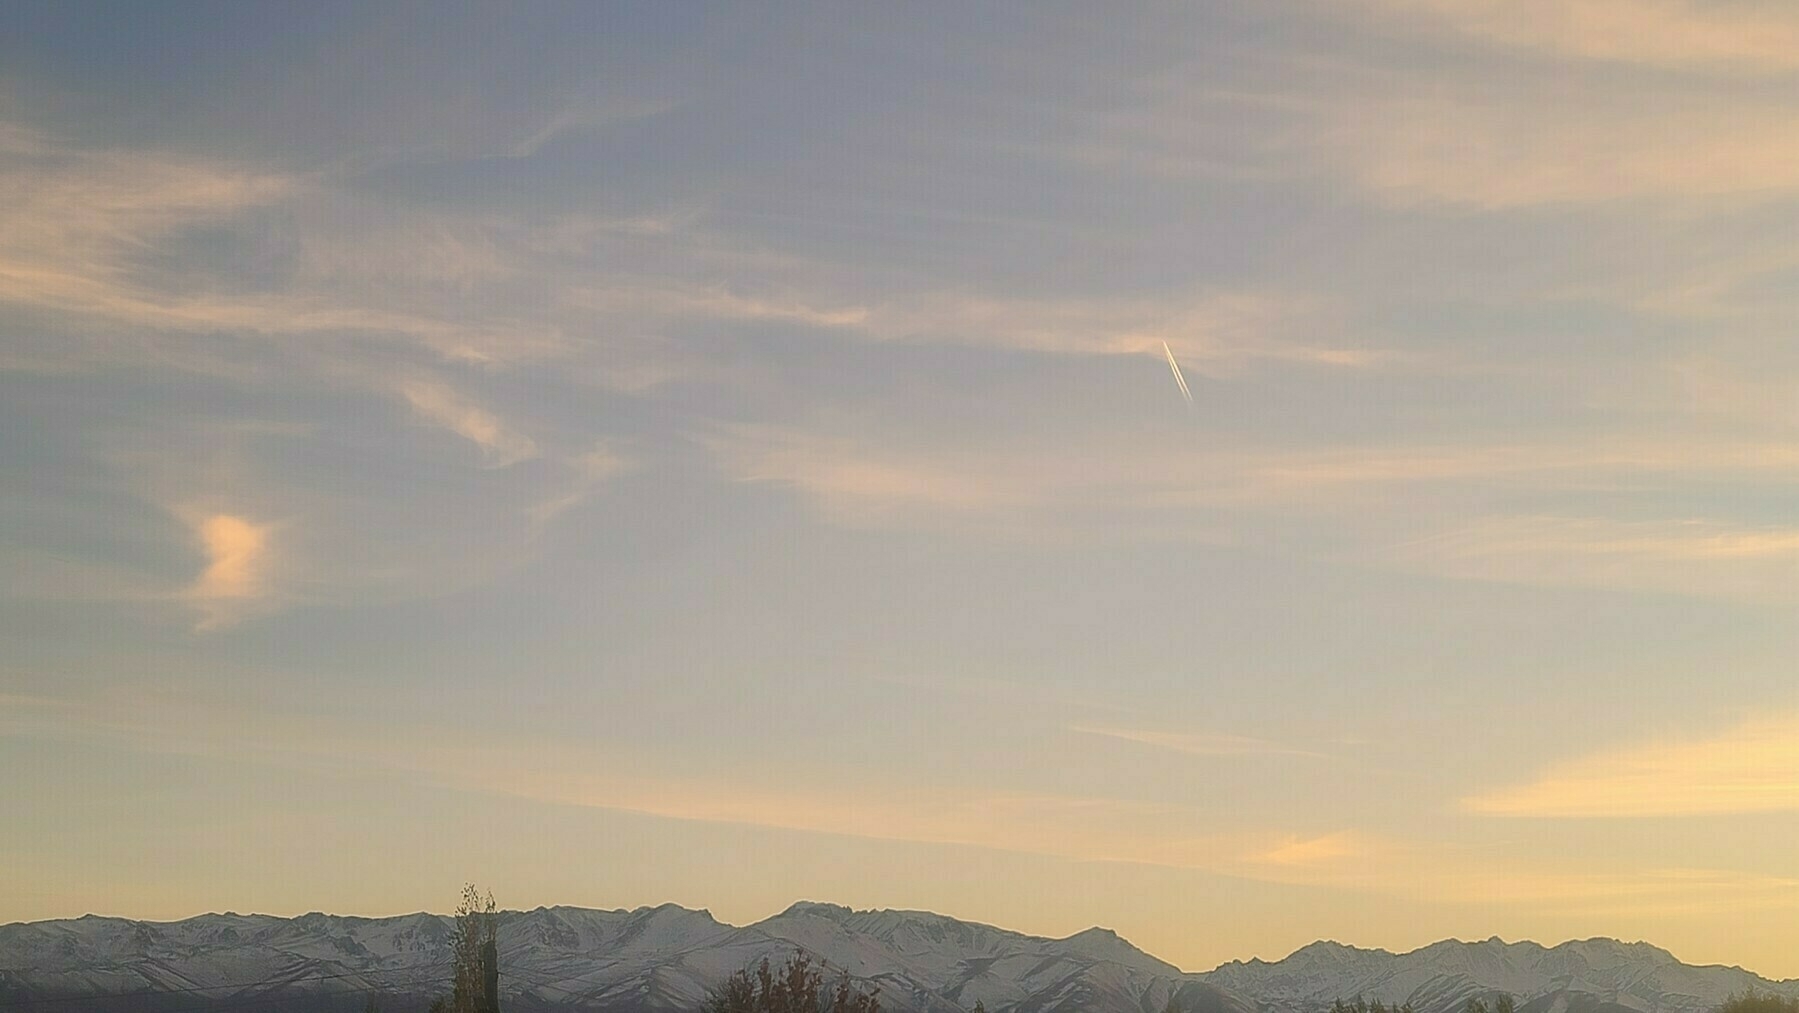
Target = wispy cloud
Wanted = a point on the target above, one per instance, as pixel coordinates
(1214, 332)
(80, 231)
(1085, 828)
(849, 482)
(1496, 155)
(586, 115)
(283, 288)
(75, 223)
(1691, 556)
(1168, 486)
(1483, 135)
(1731, 38)
(1198, 745)
(1313, 851)
(441, 405)
(660, 299)
(560, 772)
(1753, 767)
(587, 471)
(236, 573)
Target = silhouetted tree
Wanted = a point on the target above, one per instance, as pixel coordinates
(474, 955)
(848, 999)
(1753, 1001)
(796, 988)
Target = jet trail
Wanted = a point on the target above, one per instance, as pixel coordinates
(1176, 367)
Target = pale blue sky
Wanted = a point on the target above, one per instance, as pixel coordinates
(608, 451)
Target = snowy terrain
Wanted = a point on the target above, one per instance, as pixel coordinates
(1585, 976)
(667, 958)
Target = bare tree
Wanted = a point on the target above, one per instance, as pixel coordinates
(1753, 1001)
(795, 988)
(474, 954)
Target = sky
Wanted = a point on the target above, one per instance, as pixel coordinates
(635, 452)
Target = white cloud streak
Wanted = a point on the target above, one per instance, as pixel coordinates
(1176, 368)
(441, 405)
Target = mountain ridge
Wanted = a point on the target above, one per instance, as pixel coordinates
(668, 957)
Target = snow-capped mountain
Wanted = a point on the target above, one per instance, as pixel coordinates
(927, 961)
(668, 958)
(642, 961)
(1585, 976)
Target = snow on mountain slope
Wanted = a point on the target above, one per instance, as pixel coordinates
(926, 959)
(1441, 977)
(1104, 944)
(668, 958)
(650, 959)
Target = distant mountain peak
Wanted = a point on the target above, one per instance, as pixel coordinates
(1331, 949)
(1578, 976)
(672, 910)
(820, 909)
(1105, 944)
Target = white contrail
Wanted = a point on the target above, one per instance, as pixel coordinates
(1178, 378)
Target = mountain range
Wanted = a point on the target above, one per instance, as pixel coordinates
(668, 958)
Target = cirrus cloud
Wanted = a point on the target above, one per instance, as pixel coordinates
(1733, 38)
(1751, 768)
